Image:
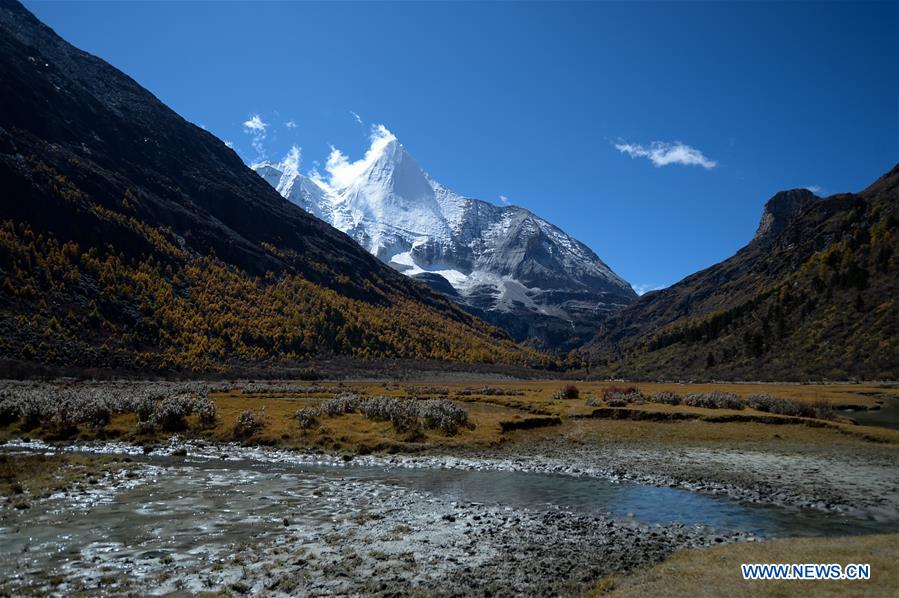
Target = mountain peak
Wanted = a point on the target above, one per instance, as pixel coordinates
(778, 212)
(503, 262)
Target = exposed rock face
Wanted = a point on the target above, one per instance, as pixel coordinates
(502, 262)
(779, 210)
(812, 295)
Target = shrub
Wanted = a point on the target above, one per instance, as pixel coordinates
(569, 391)
(714, 400)
(31, 410)
(144, 407)
(618, 391)
(170, 413)
(402, 413)
(776, 405)
(204, 407)
(404, 416)
(97, 414)
(378, 408)
(443, 415)
(247, 424)
(307, 417)
(618, 396)
(666, 398)
(341, 404)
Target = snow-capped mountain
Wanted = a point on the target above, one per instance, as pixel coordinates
(502, 262)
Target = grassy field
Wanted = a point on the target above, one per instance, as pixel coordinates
(533, 402)
(28, 477)
(499, 410)
(716, 571)
(517, 413)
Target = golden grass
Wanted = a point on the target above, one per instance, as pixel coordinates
(355, 433)
(716, 571)
(37, 476)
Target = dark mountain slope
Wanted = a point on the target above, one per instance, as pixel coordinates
(130, 237)
(813, 295)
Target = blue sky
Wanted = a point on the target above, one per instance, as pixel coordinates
(555, 106)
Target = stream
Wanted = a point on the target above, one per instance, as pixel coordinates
(178, 525)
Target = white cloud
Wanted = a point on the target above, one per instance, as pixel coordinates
(256, 128)
(357, 117)
(229, 144)
(816, 189)
(255, 124)
(504, 200)
(662, 153)
(291, 124)
(291, 162)
(341, 172)
(642, 289)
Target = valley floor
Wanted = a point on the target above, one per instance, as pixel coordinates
(292, 510)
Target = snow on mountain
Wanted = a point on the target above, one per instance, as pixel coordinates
(503, 262)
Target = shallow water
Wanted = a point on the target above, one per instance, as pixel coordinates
(886, 417)
(644, 503)
(195, 509)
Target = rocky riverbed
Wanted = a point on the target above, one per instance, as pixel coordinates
(192, 517)
(189, 526)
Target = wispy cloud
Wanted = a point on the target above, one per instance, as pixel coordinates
(663, 153)
(256, 129)
(229, 144)
(291, 124)
(341, 172)
(255, 124)
(816, 189)
(642, 289)
(504, 200)
(291, 162)
(357, 117)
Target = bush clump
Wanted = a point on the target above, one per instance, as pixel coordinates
(204, 407)
(170, 414)
(144, 407)
(378, 408)
(714, 400)
(248, 422)
(307, 417)
(341, 404)
(569, 391)
(613, 391)
(778, 406)
(666, 398)
(443, 415)
(97, 414)
(619, 396)
(408, 415)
